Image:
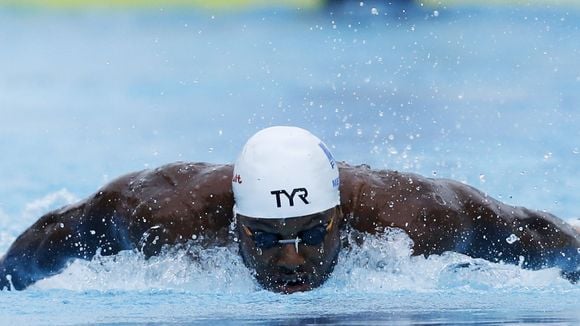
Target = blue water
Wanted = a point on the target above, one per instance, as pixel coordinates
(487, 96)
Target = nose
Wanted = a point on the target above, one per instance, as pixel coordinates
(290, 259)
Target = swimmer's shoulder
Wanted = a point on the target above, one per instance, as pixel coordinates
(362, 185)
(166, 185)
(357, 176)
(170, 177)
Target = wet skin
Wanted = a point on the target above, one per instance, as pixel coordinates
(291, 267)
(168, 206)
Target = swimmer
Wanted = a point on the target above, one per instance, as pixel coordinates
(290, 202)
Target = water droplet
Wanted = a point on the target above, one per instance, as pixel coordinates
(512, 238)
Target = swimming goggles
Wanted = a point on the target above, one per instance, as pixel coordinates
(311, 237)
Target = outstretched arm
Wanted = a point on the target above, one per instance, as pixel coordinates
(145, 211)
(444, 215)
(47, 246)
(76, 231)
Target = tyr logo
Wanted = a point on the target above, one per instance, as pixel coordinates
(301, 192)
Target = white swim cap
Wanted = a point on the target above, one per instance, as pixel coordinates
(284, 172)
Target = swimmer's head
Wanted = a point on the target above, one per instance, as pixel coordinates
(285, 172)
(287, 205)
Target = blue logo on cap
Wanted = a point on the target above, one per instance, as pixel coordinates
(335, 183)
(328, 155)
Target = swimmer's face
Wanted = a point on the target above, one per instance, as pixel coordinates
(279, 266)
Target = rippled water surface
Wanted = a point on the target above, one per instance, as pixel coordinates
(488, 96)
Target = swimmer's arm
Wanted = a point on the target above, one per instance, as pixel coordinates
(40, 251)
(46, 248)
(146, 211)
(444, 215)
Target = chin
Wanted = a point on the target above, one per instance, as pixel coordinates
(292, 286)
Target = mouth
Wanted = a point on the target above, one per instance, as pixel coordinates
(292, 283)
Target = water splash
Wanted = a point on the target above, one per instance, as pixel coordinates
(381, 264)
(11, 226)
(384, 263)
(214, 270)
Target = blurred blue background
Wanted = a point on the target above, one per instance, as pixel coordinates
(488, 96)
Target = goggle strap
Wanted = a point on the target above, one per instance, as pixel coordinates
(329, 226)
(247, 231)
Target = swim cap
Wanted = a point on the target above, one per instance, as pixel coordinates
(284, 172)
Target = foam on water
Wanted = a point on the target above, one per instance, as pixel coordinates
(381, 264)
(214, 270)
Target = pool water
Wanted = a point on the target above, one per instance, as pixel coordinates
(488, 96)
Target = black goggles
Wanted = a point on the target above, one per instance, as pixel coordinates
(311, 237)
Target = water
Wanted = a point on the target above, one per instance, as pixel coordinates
(486, 96)
(376, 283)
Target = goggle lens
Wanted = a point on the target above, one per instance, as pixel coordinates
(311, 237)
(314, 236)
(265, 240)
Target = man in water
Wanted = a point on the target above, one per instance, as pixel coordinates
(289, 200)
